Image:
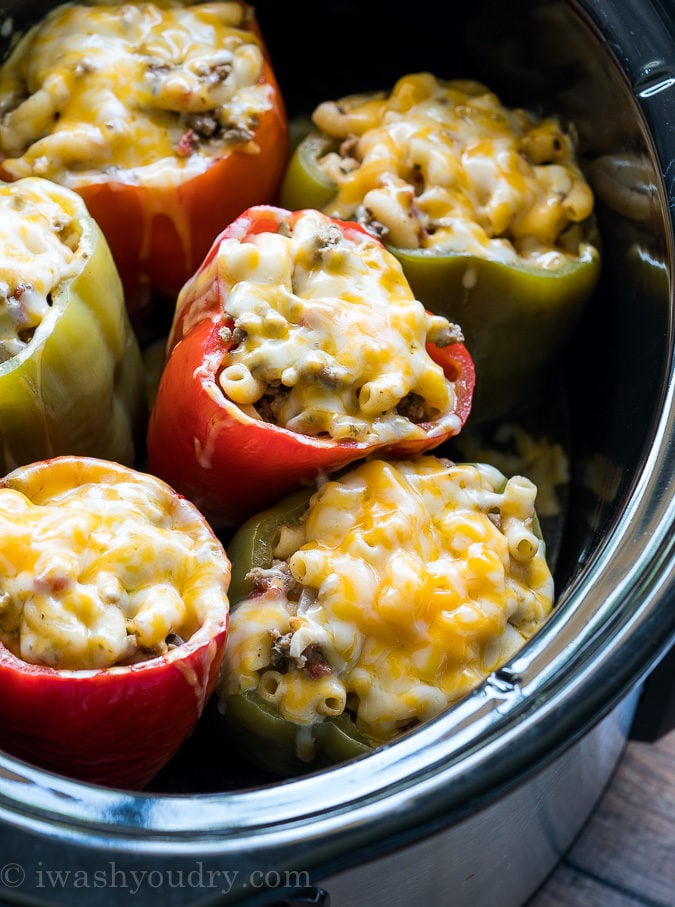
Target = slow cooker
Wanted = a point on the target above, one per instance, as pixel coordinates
(477, 806)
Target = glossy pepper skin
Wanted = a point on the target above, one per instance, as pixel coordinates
(116, 726)
(516, 318)
(263, 736)
(77, 387)
(204, 445)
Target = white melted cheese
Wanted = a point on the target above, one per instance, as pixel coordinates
(40, 248)
(136, 92)
(413, 579)
(445, 165)
(103, 574)
(329, 337)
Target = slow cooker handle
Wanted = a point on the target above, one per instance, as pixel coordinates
(655, 713)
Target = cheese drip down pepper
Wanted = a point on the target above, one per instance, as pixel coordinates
(113, 618)
(485, 206)
(71, 374)
(296, 348)
(371, 605)
(166, 117)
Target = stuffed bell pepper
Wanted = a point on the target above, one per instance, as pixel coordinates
(165, 116)
(485, 207)
(71, 375)
(373, 603)
(298, 347)
(113, 619)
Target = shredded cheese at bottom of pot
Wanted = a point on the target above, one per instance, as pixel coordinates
(403, 586)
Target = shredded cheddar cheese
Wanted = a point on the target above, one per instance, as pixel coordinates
(40, 247)
(445, 165)
(103, 574)
(404, 585)
(327, 337)
(132, 91)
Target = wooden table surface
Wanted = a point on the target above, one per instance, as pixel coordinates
(625, 855)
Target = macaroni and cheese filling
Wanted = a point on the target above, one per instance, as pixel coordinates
(402, 587)
(40, 247)
(102, 574)
(327, 338)
(444, 165)
(132, 91)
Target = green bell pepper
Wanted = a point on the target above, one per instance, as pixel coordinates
(293, 695)
(268, 741)
(516, 317)
(255, 540)
(71, 373)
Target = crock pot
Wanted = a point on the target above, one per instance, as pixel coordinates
(477, 806)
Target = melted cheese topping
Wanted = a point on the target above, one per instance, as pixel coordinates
(137, 91)
(444, 165)
(40, 248)
(328, 337)
(403, 587)
(103, 574)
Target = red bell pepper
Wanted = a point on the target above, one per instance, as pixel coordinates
(223, 456)
(115, 725)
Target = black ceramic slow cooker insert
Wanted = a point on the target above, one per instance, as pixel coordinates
(477, 806)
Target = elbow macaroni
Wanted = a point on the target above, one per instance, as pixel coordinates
(327, 337)
(406, 582)
(444, 165)
(131, 91)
